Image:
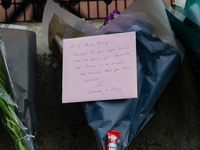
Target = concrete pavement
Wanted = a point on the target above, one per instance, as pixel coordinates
(175, 126)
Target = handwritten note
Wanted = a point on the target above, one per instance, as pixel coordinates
(99, 68)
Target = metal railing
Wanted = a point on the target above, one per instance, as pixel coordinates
(32, 10)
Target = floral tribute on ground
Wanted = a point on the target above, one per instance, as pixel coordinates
(158, 58)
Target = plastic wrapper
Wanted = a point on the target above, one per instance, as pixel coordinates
(189, 3)
(18, 61)
(159, 56)
(186, 27)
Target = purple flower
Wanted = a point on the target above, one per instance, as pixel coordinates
(105, 21)
(112, 16)
(87, 21)
(116, 12)
(90, 22)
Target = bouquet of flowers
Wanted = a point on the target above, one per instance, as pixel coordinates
(159, 56)
(17, 92)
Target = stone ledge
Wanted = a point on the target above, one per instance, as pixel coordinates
(42, 47)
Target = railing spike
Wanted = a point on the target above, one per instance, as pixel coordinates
(6, 3)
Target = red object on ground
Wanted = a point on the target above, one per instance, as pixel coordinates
(112, 139)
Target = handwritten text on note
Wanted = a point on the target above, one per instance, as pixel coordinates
(99, 68)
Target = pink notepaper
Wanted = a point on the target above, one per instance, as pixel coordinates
(99, 67)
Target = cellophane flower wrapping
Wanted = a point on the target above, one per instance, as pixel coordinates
(159, 56)
(17, 90)
(186, 27)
